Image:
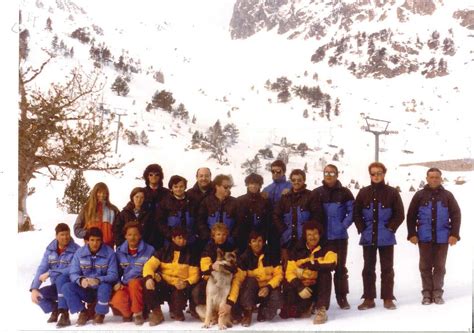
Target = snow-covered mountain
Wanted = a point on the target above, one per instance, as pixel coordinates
(288, 75)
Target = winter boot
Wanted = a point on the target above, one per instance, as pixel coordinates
(99, 319)
(426, 300)
(127, 319)
(138, 318)
(438, 300)
(192, 311)
(306, 313)
(261, 314)
(368, 303)
(177, 315)
(156, 316)
(342, 302)
(91, 310)
(321, 316)
(63, 319)
(54, 315)
(388, 304)
(247, 318)
(83, 318)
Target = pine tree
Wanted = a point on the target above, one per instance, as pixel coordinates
(196, 138)
(54, 42)
(302, 148)
(231, 132)
(144, 138)
(251, 166)
(48, 24)
(181, 112)
(120, 86)
(266, 153)
(76, 193)
(283, 155)
(163, 99)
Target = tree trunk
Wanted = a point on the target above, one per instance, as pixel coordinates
(24, 221)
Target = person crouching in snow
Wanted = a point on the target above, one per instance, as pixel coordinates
(308, 276)
(132, 255)
(55, 266)
(263, 277)
(93, 272)
(169, 275)
(207, 264)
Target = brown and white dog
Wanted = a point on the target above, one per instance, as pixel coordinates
(217, 290)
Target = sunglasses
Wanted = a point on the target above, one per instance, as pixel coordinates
(276, 172)
(227, 187)
(153, 174)
(330, 173)
(379, 173)
(297, 180)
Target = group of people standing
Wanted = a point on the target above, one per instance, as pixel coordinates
(288, 240)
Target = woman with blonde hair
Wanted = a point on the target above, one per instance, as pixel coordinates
(97, 212)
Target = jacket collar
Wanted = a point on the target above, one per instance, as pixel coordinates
(378, 186)
(427, 187)
(338, 185)
(101, 253)
(198, 189)
(282, 179)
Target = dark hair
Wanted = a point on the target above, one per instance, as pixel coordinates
(311, 225)
(220, 178)
(130, 225)
(179, 231)
(93, 232)
(253, 178)
(254, 234)
(378, 165)
(280, 164)
(62, 227)
(298, 172)
(197, 171)
(434, 170)
(135, 191)
(332, 166)
(175, 180)
(153, 168)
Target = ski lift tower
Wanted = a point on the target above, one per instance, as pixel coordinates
(378, 127)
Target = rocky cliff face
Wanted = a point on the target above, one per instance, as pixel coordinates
(310, 18)
(349, 32)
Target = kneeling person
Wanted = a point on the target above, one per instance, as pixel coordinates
(132, 256)
(55, 266)
(308, 276)
(93, 273)
(219, 234)
(169, 275)
(263, 277)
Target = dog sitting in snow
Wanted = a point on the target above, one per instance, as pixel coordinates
(217, 290)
